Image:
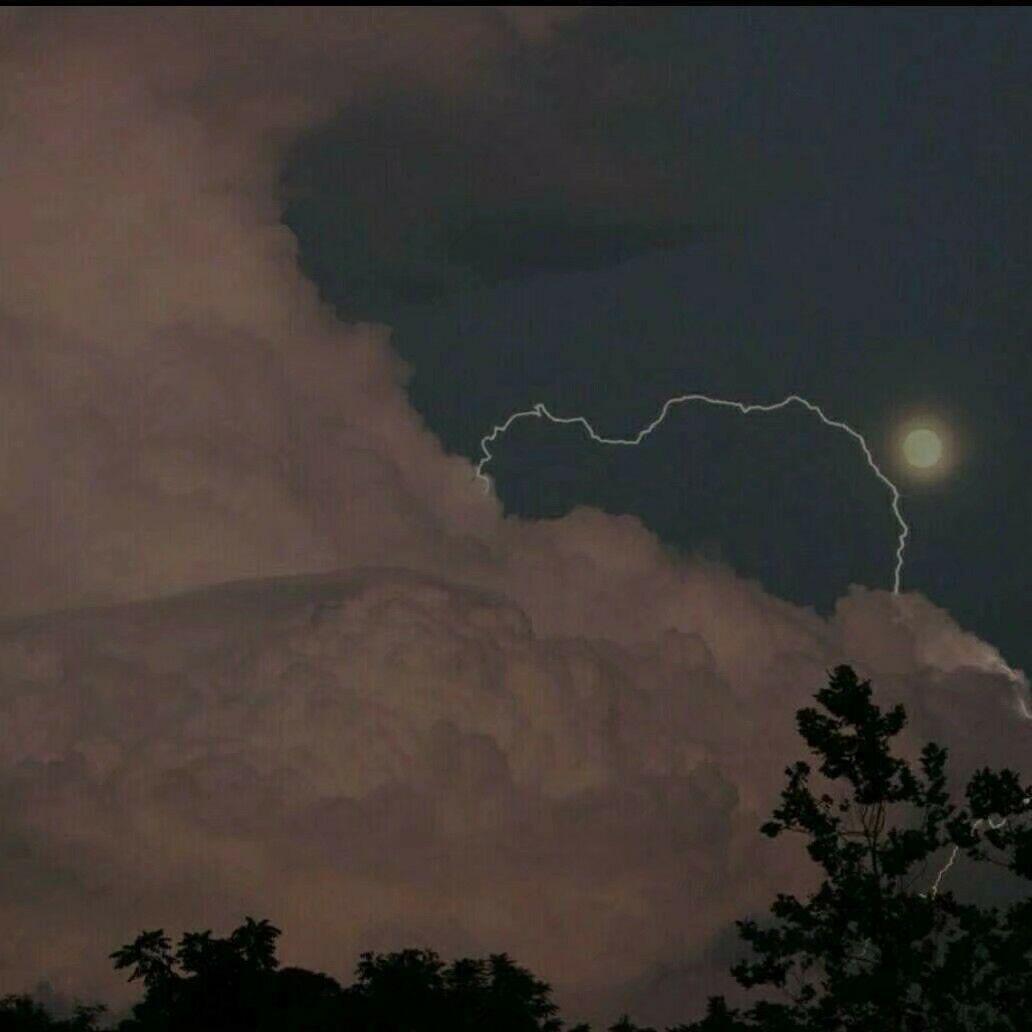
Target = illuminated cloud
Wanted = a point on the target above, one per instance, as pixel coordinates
(379, 758)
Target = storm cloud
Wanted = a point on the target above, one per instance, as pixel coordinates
(379, 758)
(410, 719)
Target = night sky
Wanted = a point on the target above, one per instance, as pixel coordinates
(267, 278)
(833, 203)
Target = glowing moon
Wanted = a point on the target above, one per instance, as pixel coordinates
(922, 448)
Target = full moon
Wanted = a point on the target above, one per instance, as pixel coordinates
(922, 448)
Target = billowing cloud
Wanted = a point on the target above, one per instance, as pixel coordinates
(411, 720)
(160, 346)
(380, 758)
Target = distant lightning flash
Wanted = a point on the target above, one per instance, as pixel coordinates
(539, 411)
(934, 890)
(994, 824)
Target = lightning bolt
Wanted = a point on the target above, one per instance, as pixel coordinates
(540, 411)
(994, 824)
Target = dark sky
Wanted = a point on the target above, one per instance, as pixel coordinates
(746, 203)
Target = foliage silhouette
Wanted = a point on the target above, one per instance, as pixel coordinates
(236, 984)
(876, 947)
(20, 1013)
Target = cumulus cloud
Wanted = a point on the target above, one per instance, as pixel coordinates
(449, 727)
(379, 758)
(180, 409)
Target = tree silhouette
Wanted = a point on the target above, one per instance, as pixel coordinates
(413, 990)
(876, 947)
(150, 957)
(20, 1013)
(255, 942)
(235, 984)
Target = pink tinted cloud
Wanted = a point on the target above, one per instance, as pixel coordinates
(380, 758)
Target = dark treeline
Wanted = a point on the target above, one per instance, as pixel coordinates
(877, 948)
